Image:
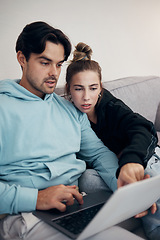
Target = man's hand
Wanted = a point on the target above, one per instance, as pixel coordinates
(55, 196)
(130, 173)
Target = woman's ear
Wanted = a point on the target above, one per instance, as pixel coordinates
(67, 88)
(21, 59)
(101, 92)
(101, 86)
(100, 89)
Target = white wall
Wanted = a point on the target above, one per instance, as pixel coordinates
(124, 34)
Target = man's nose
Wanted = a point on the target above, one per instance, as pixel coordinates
(53, 71)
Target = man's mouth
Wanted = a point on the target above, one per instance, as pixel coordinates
(51, 83)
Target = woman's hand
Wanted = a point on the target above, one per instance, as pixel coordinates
(130, 173)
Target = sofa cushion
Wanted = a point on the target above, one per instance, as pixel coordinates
(141, 94)
(60, 91)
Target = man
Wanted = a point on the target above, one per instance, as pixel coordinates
(44, 140)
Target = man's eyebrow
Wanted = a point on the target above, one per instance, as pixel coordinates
(45, 58)
(48, 59)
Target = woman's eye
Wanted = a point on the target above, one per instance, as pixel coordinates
(78, 89)
(93, 89)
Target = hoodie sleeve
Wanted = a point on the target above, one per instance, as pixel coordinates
(15, 199)
(97, 155)
(138, 133)
(128, 134)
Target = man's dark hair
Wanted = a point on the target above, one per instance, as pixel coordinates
(34, 36)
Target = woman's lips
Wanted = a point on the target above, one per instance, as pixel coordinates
(86, 106)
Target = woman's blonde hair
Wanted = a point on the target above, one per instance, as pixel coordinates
(82, 52)
(81, 62)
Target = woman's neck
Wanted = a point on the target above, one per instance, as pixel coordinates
(92, 116)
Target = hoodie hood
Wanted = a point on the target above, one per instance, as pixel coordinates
(13, 89)
(106, 98)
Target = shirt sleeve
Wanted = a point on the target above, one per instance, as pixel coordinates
(18, 199)
(97, 155)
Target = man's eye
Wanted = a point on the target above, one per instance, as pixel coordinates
(59, 64)
(44, 63)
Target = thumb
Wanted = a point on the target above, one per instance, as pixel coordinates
(120, 183)
(146, 176)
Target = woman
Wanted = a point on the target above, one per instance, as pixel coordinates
(129, 135)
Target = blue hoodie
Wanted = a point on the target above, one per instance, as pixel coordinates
(44, 143)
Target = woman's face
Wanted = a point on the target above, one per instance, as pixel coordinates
(85, 88)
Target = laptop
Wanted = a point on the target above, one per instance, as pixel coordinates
(102, 210)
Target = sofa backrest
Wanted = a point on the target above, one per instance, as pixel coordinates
(141, 94)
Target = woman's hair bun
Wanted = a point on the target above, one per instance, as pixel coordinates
(82, 52)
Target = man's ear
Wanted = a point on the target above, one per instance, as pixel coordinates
(21, 58)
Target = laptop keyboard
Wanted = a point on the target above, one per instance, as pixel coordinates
(76, 222)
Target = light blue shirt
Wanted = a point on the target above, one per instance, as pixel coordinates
(44, 143)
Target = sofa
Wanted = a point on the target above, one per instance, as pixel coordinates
(142, 95)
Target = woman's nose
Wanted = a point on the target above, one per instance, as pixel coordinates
(86, 96)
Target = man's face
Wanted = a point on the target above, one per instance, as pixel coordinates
(41, 72)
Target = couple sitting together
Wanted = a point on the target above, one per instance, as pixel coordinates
(50, 145)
